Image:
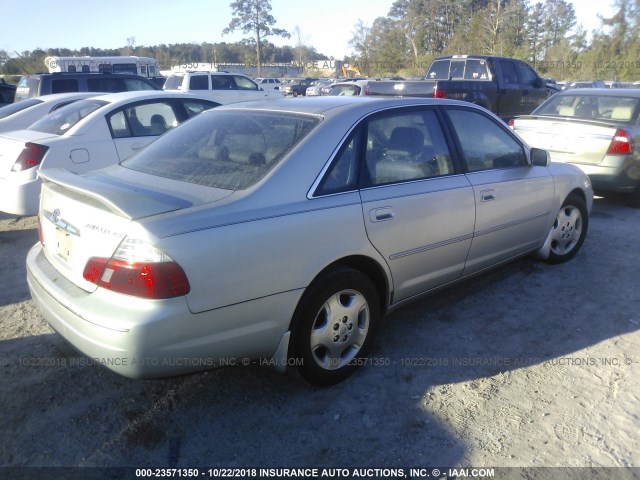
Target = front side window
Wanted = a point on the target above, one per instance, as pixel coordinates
(243, 83)
(224, 149)
(405, 146)
(509, 73)
(221, 82)
(62, 120)
(485, 144)
(527, 75)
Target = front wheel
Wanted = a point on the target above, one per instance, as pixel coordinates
(334, 326)
(569, 230)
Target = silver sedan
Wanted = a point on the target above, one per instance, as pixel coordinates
(595, 129)
(284, 230)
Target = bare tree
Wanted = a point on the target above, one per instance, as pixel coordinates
(254, 16)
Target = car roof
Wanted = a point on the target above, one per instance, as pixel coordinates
(124, 97)
(57, 97)
(602, 92)
(324, 104)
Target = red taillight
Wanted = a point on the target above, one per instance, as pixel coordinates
(511, 123)
(439, 93)
(141, 279)
(31, 156)
(621, 144)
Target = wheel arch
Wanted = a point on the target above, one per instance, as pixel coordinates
(369, 267)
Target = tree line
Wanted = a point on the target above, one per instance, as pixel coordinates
(545, 34)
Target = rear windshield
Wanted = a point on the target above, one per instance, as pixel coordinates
(597, 107)
(12, 108)
(231, 150)
(467, 69)
(60, 121)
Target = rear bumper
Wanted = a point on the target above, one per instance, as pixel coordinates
(615, 173)
(156, 338)
(19, 196)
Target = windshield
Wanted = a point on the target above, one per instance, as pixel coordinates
(60, 121)
(18, 107)
(597, 107)
(231, 150)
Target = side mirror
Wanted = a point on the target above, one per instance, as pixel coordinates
(539, 83)
(540, 157)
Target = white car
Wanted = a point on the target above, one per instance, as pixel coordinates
(230, 87)
(268, 83)
(86, 135)
(20, 115)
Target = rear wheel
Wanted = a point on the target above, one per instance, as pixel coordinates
(334, 326)
(569, 229)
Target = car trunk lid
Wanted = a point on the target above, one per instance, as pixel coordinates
(12, 144)
(578, 141)
(85, 216)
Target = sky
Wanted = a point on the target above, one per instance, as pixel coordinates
(327, 25)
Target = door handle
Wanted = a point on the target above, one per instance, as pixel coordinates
(488, 195)
(381, 214)
(138, 146)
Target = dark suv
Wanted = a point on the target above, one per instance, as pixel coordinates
(7, 92)
(297, 86)
(62, 82)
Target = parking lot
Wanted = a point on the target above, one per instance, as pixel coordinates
(531, 365)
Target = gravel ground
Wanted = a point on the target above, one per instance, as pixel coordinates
(530, 365)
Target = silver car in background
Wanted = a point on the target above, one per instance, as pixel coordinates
(284, 230)
(595, 129)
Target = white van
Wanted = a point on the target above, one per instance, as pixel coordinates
(230, 87)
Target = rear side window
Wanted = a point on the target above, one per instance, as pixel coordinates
(64, 85)
(485, 144)
(224, 149)
(105, 84)
(199, 82)
(194, 107)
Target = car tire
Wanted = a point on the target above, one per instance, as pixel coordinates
(295, 93)
(334, 326)
(569, 229)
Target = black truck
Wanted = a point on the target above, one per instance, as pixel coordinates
(506, 86)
